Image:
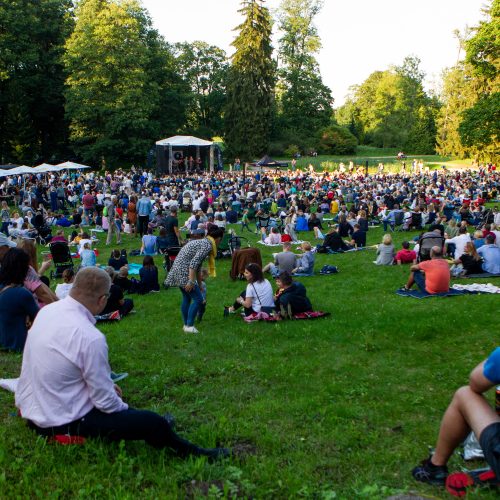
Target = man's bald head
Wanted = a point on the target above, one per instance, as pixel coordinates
(436, 252)
(91, 288)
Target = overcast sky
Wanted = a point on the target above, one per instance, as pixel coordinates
(358, 36)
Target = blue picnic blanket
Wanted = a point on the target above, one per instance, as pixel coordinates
(417, 294)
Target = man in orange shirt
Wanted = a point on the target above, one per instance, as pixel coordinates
(437, 274)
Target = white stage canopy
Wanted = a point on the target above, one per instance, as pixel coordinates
(179, 141)
(183, 140)
(22, 170)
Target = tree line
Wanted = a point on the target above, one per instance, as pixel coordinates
(93, 80)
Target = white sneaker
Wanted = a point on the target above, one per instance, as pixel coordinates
(190, 329)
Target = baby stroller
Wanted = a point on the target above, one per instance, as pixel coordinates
(234, 243)
(169, 255)
(61, 257)
(487, 217)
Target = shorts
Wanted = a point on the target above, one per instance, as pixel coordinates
(490, 443)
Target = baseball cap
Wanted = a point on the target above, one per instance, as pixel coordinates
(6, 242)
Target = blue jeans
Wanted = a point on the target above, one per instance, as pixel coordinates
(191, 303)
(419, 279)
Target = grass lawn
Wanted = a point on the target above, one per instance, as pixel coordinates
(341, 407)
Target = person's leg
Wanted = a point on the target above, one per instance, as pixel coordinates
(140, 425)
(419, 280)
(186, 301)
(196, 301)
(118, 234)
(468, 410)
(127, 306)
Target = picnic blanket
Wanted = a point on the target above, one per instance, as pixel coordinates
(298, 242)
(478, 288)
(134, 268)
(263, 316)
(417, 294)
(481, 275)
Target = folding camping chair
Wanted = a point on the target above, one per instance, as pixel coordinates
(61, 258)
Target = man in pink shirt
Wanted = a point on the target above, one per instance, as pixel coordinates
(65, 385)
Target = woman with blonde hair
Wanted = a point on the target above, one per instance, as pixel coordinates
(305, 262)
(470, 262)
(385, 251)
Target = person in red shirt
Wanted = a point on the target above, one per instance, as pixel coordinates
(437, 274)
(405, 255)
(88, 202)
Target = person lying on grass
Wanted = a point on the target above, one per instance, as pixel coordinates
(65, 387)
(437, 274)
(468, 410)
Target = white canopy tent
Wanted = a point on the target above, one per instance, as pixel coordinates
(184, 141)
(69, 165)
(46, 167)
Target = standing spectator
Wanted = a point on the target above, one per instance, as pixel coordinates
(144, 209)
(110, 209)
(186, 273)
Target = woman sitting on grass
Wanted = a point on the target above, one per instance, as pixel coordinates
(62, 289)
(385, 252)
(17, 306)
(258, 295)
(470, 262)
(149, 276)
(274, 237)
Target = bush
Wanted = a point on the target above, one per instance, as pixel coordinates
(337, 140)
(292, 150)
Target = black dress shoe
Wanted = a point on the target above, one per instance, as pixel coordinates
(170, 420)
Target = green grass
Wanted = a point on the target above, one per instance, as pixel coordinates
(339, 407)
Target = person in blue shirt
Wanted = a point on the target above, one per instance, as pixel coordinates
(144, 208)
(490, 254)
(87, 256)
(148, 243)
(468, 410)
(17, 305)
(305, 262)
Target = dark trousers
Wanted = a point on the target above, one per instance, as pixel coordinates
(128, 425)
(142, 226)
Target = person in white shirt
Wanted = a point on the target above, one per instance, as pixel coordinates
(459, 241)
(65, 385)
(258, 295)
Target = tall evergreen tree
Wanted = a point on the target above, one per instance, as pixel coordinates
(250, 105)
(32, 37)
(305, 101)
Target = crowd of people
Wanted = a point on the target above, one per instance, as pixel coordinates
(447, 208)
